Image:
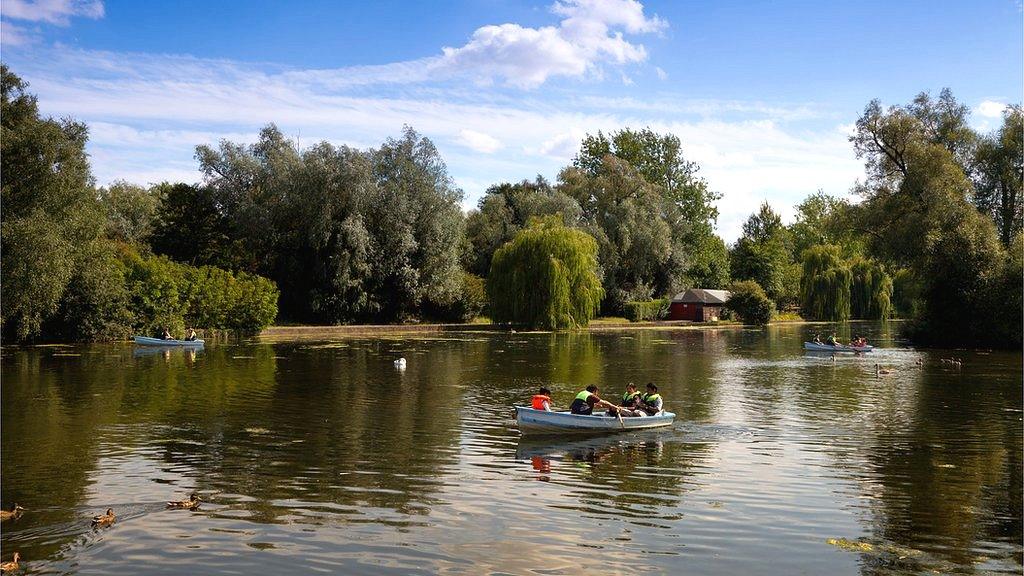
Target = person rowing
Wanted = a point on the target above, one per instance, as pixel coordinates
(587, 400)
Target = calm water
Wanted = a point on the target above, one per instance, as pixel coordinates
(321, 456)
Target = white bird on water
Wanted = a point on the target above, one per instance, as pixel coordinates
(400, 363)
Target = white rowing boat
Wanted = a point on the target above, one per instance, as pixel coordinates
(147, 341)
(837, 348)
(532, 421)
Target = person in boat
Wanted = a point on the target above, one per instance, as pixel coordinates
(651, 402)
(165, 335)
(191, 337)
(542, 400)
(817, 339)
(832, 340)
(587, 400)
(630, 403)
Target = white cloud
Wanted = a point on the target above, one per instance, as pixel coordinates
(590, 35)
(11, 35)
(479, 141)
(990, 109)
(662, 75)
(58, 12)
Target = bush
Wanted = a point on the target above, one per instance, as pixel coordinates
(750, 303)
(646, 310)
(546, 277)
(466, 305)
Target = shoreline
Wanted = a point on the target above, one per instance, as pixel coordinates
(310, 332)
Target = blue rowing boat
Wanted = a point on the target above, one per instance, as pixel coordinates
(147, 341)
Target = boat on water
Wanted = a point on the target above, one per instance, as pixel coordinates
(837, 348)
(532, 421)
(147, 341)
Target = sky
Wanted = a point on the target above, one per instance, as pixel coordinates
(763, 95)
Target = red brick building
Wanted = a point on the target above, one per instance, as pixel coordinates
(698, 305)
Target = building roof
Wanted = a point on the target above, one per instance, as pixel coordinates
(701, 296)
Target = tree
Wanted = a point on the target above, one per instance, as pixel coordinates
(825, 284)
(190, 227)
(824, 219)
(763, 254)
(129, 211)
(50, 210)
(871, 290)
(916, 212)
(749, 301)
(546, 277)
(999, 188)
(504, 210)
(691, 212)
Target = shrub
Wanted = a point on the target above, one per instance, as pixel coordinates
(825, 284)
(646, 310)
(750, 303)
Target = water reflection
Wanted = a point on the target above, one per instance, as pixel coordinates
(324, 456)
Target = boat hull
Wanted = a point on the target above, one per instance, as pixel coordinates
(532, 421)
(146, 341)
(840, 348)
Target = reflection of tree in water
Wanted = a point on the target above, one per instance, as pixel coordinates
(642, 474)
(942, 462)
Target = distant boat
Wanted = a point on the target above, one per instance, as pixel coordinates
(837, 348)
(147, 341)
(532, 421)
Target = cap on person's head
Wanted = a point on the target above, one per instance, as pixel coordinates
(591, 388)
(545, 391)
(652, 386)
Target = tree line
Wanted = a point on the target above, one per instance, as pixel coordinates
(332, 234)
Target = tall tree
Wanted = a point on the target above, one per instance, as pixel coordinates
(825, 284)
(51, 215)
(505, 209)
(763, 254)
(824, 219)
(129, 210)
(999, 187)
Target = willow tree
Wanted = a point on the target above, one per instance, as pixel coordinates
(546, 277)
(870, 290)
(825, 284)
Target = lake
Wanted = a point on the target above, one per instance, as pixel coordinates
(322, 456)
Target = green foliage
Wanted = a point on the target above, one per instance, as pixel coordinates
(999, 185)
(188, 226)
(825, 284)
(824, 219)
(96, 303)
(464, 306)
(749, 301)
(906, 293)
(763, 254)
(166, 294)
(50, 213)
(709, 266)
(129, 211)
(504, 210)
(870, 290)
(917, 214)
(647, 310)
(546, 277)
(382, 230)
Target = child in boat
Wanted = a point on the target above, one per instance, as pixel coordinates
(630, 403)
(651, 401)
(542, 400)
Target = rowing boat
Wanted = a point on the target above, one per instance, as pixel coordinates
(532, 421)
(837, 348)
(146, 341)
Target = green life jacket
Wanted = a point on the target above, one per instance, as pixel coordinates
(650, 398)
(629, 396)
(583, 395)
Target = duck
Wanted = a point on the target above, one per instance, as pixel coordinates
(400, 363)
(191, 504)
(958, 362)
(919, 362)
(12, 565)
(104, 519)
(879, 370)
(14, 512)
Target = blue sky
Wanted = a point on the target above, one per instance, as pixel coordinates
(762, 94)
